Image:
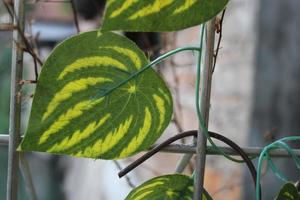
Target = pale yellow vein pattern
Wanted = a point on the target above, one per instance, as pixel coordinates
(109, 2)
(148, 186)
(136, 142)
(187, 4)
(160, 104)
(123, 8)
(171, 193)
(104, 145)
(141, 196)
(167, 97)
(151, 9)
(92, 61)
(143, 190)
(69, 89)
(78, 136)
(127, 52)
(65, 119)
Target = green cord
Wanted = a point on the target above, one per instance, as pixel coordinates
(200, 119)
(151, 64)
(264, 155)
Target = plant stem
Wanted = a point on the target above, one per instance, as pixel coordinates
(151, 64)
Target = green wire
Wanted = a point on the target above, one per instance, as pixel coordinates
(200, 119)
(265, 155)
(151, 64)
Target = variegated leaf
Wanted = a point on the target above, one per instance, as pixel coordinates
(159, 15)
(168, 187)
(77, 109)
(288, 192)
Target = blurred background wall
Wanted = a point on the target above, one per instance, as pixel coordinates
(276, 93)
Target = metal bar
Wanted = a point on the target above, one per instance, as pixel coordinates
(206, 76)
(7, 27)
(189, 149)
(186, 158)
(184, 161)
(15, 103)
(250, 151)
(25, 170)
(4, 139)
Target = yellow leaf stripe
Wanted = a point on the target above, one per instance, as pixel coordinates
(143, 195)
(169, 100)
(65, 119)
(127, 52)
(165, 187)
(78, 136)
(104, 145)
(149, 186)
(135, 143)
(69, 89)
(92, 61)
(151, 9)
(109, 2)
(171, 193)
(187, 4)
(124, 7)
(160, 104)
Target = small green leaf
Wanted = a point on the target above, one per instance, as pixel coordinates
(168, 187)
(288, 192)
(158, 15)
(78, 110)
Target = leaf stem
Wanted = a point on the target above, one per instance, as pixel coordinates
(151, 64)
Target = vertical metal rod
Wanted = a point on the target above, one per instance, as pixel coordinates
(186, 158)
(25, 170)
(206, 79)
(15, 103)
(184, 161)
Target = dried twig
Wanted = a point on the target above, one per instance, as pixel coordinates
(22, 82)
(74, 10)
(27, 46)
(219, 30)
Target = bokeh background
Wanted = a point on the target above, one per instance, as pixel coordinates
(255, 97)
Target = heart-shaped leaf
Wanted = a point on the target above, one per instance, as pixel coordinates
(288, 192)
(159, 15)
(81, 109)
(168, 187)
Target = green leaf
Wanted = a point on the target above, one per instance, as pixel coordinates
(288, 192)
(168, 187)
(158, 15)
(78, 110)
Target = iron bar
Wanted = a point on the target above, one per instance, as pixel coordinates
(6, 27)
(4, 139)
(184, 161)
(205, 89)
(189, 149)
(15, 103)
(25, 170)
